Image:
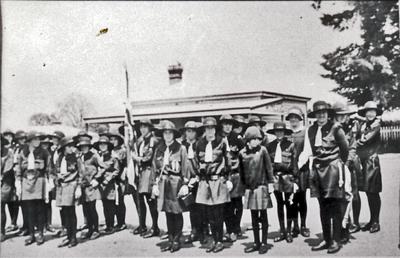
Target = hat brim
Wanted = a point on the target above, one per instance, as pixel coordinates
(69, 143)
(261, 122)
(76, 137)
(231, 121)
(159, 132)
(362, 112)
(96, 145)
(120, 138)
(285, 130)
(312, 114)
(293, 114)
(347, 112)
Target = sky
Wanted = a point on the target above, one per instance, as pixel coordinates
(50, 49)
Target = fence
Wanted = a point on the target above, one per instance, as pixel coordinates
(390, 136)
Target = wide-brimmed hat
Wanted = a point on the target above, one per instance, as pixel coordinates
(45, 138)
(256, 119)
(66, 141)
(370, 105)
(8, 131)
(115, 133)
(295, 111)
(320, 106)
(144, 121)
(84, 143)
(209, 122)
(252, 132)
(82, 134)
(190, 125)
(341, 108)
(4, 141)
(20, 134)
(227, 119)
(58, 134)
(33, 134)
(167, 125)
(280, 126)
(240, 120)
(103, 139)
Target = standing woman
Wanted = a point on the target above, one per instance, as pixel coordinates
(329, 149)
(256, 173)
(367, 149)
(32, 169)
(213, 191)
(295, 117)
(108, 182)
(119, 153)
(91, 179)
(7, 185)
(69, 171)
(282, 154)
(171, 168)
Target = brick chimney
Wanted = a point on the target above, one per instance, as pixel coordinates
(175, 73)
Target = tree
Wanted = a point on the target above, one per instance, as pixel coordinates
(72, 110)
(369, 70)
(40, 119)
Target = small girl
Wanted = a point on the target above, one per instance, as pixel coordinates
(256, 172)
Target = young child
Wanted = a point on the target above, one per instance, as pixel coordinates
(256, 172)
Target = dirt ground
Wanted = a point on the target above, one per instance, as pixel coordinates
(383, 243)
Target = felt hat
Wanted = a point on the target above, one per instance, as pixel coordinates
(103, 139)
(167, 125)
(256, 119)
(370, 105)
(66, 141)
(295, 111)
(320, 106)
(252, 132)
(280, 126)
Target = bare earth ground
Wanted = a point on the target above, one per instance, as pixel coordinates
(383, 243)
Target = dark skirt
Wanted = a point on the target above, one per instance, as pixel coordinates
(238, 187)
(304, 182)
(66, 194)
(213, 192)
(325, 180)
(371, 171)
(257, 199)
(145, 181)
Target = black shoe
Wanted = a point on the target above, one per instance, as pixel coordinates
(296, 232)
(23, 232)
(253, 248)
(83, 227)
(72, 243)
(65, 242)
(30, 240)
(109, 231)
(233, 237)
(40, 239)
(188, 240)
(62, 232)
(152, 233)
(211, 248)
(202, 239)
(218, 247)
(354, 228)
(366, 227)
(86, 235)
(139, 230)
(375, 227)
(175, 247)
(305, 232)
(166, 248)
(121, 227)
(289, 238)
(334, 248)
(321, 246)
(282, 236)
(50, 229)
(11, 228)
(263, 248)
(95, 235)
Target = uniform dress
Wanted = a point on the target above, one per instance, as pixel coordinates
(32, 169)
(171, 167)
(119, 153)
(367, 148)
(283, 153)
(109, 188)
(93, 170)
(330, 151)
(7, 185)
(256, 173)
(300, 200)
(197, 215)
(234, 208)
(213, 192)
(145, 146)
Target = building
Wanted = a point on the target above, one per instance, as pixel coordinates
(271, 106)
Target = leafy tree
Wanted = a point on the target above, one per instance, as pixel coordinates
(40, 119)
(72, 109)
(369, 70)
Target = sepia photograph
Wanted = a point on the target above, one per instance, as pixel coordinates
(200, 128)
